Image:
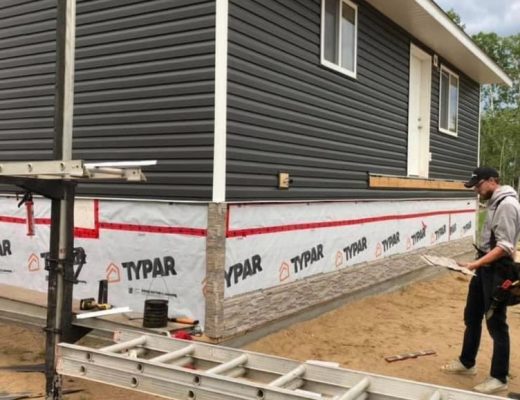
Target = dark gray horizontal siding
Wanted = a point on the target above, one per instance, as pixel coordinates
(27, 35)
(190, 190)
(287, 112)
(455, 157)
(144, 89)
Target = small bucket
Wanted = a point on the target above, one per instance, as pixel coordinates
(155, 313)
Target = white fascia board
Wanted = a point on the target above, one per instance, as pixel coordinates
(220, 116)
(479, 125)
(440, 16)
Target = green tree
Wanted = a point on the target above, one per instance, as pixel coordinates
(505, 51)
(500, 116)
(500, 142)
(455, 18)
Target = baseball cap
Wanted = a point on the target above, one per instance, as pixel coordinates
(479, 174)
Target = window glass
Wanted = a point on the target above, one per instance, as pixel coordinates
(449, 101)
(339, 35)
(454, 101)
(331, 31)
(445, 82)
(348, 36)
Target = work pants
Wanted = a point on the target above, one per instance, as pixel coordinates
(478, 302)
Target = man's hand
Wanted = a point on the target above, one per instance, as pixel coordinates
(472, 266)
(488, 258)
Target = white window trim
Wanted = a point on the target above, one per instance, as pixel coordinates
(328, 64)
(447, 131)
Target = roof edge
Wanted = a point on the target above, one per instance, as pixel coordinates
(442, 18)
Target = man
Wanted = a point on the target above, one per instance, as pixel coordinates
(499, 237)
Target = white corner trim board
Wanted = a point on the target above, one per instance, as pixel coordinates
(220, 121)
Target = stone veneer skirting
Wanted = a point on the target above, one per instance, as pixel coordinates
(257, 309)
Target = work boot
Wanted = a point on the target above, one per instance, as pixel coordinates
(456, 367)
(490, 385)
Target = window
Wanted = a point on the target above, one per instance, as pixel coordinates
(339, 35)
(449, 102)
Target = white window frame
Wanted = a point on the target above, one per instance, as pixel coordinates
(450, 73)
(331, 65)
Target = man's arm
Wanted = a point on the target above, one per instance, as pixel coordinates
(504, 228)
(493, 255)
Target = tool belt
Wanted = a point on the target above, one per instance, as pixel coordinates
(507, 270)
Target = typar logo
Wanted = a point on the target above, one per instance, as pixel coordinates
(284, 272)
(466, 227)
(379, 249)
(419, 235)
(113, 273)
(356, 248)
(33, 263)
(243, 270)
(387, 244)
(438, 233)
(5, 248)
(339, 259)
(307, 258)
(143, 269)
(453, 229)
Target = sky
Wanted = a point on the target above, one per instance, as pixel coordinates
(499, 16)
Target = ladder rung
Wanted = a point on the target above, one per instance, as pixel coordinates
(289, 376)
(181, 362)
(357, 390)
(309, 395)
(294, 384)
(236, 372)
(164, 358)
(115, 348)
(235, 362)
(436, 396)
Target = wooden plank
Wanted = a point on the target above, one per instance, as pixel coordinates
(396, 182)
(405, 356)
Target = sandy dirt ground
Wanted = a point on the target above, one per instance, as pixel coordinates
(422, 316)
(21, 345)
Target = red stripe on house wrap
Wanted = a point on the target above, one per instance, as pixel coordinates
(333, 224)
(93, 233)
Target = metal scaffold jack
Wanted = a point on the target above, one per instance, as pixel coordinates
(57, 181)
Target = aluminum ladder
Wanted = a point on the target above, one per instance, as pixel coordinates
(180, 369)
